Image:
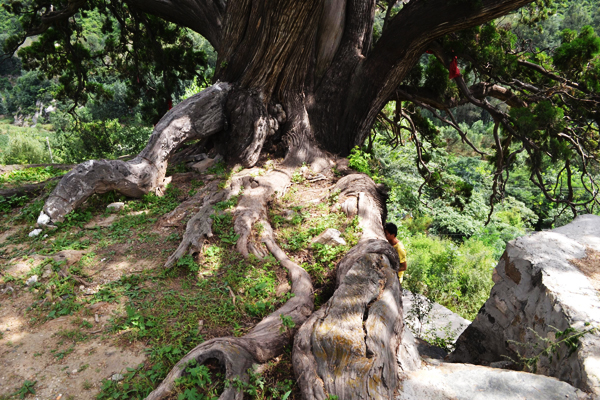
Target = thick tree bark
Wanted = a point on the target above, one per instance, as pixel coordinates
(198, 117)
(350, 347)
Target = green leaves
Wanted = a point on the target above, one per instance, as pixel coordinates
(576, 51)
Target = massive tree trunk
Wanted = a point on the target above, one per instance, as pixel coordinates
(303, 76)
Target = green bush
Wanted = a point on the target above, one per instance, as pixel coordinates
(23, 149)
(79, 141)
(458, 276)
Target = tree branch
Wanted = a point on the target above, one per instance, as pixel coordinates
(202, 16)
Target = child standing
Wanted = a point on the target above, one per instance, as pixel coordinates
(391, 230)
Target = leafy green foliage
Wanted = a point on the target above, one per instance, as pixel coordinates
(456, 276)
(560, 345)
(97, 139)
(197, 383)
(576, 50)
(149, 66)
(26, 389)
(26, 175)
(8, 203)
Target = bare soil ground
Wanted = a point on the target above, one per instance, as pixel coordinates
(590, 266)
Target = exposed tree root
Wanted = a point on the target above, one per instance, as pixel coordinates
(252, 206)
(30, 189)
(184, 209)
(350, 347)
(195, 118)
(199, 227)
(265, 341)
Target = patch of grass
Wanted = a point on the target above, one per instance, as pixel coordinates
(158, 205)
(63, 353)
(75, 335)
(29, 175)
(8, 203)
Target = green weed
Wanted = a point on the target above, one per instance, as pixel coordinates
(37, 174)
(26, 389)
(287, 323)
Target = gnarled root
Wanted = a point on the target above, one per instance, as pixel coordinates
(349, 348)
(265, 341)
(252, 205)
(199, 227)
(195, 118)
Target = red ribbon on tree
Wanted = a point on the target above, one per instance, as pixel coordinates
(453, 69)
(170, 104)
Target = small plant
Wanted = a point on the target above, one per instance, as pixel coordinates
(259, 228)
(188, 263)
(287, 323)
(62, 354)
(421, 307)
(197, 377)
(550, 347)
(297, 177)
(334, 197)
(26, 389)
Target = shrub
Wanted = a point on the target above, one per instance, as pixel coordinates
(24, 149)
(458, 276)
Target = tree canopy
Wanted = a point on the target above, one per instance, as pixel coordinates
(542, 96)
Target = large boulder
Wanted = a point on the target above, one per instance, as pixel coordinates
(544, 308)
(444, 381)
(432, 321)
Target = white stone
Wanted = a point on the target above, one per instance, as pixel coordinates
(114, 207)
(32, 280)
(43, 219)
(331, 237)
(471, 382)
(35, 232)
(117, 377)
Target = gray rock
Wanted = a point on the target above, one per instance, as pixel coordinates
(117, 377)
(470, 382)
(114, 207)
(204, 164)
(32, 280)
(539, 294)
(331, 237)
(35, 232)
(43, 219)
(439, 322)
(47, 272)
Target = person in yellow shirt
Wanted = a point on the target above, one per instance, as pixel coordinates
(391, 230)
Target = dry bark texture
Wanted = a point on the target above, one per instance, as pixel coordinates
(350, 347)
(195, 118)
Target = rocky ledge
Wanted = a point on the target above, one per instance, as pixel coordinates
(543, 313)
